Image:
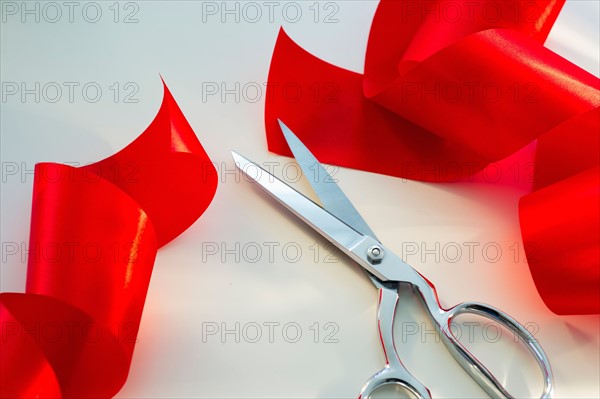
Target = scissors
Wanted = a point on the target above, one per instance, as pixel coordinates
(340, 223)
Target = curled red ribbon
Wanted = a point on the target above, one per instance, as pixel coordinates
(448, 88)
(94, 235)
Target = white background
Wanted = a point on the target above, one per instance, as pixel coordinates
(173, 357)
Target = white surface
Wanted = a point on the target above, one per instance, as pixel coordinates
(173, 358)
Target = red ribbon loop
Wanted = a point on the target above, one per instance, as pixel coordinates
(94, 235)
(448, 88)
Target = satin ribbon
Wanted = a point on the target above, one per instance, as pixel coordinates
(95, 231)
(447, 89)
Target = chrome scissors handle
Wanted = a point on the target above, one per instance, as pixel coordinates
(389, 267)
(394, 372)
(480, 374)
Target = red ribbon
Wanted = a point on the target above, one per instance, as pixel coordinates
(94, 235)
(448, 88)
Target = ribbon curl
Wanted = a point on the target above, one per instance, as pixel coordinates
(95, 231)
(447, 89)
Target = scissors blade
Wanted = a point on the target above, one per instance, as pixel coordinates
(333, 198)
(339, 233)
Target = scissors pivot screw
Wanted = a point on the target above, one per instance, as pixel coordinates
(375, 254)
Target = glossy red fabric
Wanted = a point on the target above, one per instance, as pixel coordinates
(94, 235)
(448, 88)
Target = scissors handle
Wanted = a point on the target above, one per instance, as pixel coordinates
(394, 372)
(443, 319)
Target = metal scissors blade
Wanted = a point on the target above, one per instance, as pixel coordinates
(331, 195)
(333, 198)
(339, 233)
